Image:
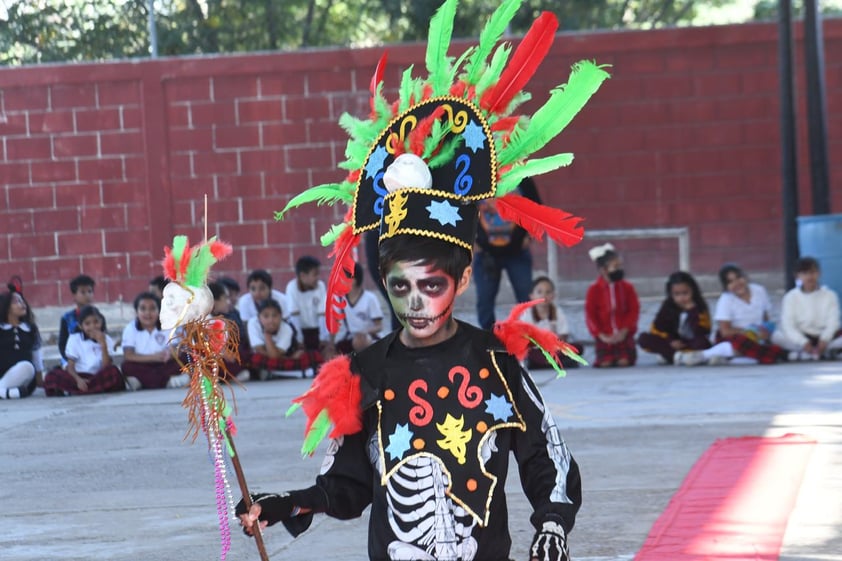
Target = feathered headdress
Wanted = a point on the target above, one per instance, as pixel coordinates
(462, 124)
(190, 266)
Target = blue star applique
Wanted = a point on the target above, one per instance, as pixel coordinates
(399, 441)
(375, 162)
(474, 137)
(444, 212)
(498, 407)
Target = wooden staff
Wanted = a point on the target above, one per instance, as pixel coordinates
(244, 490)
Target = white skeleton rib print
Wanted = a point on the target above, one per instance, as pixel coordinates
(427, 523)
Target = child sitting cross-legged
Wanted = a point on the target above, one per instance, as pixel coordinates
(149, 359)
(274, 343)
(90, 368)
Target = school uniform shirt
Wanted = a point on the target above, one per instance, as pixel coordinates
(145, 342)
(611, 306)
(360, 317)
(440, 425)
(558, 325)
(248, 309)
(87, 353)
(19, 343)
(307, 308)
(809, 313)
(740, 313)
(284, 338)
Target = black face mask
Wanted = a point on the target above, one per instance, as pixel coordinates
(616, 275)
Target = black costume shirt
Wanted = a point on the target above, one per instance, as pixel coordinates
(440, 423)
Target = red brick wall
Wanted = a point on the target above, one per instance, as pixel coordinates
(103, 163)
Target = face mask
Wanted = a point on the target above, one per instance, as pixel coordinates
(616, 275)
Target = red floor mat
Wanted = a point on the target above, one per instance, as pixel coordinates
(734, 504)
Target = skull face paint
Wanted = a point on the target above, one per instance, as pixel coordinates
(422, 298)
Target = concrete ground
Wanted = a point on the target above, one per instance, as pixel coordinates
(110, 477)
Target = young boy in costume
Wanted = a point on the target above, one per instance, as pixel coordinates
(425, 419)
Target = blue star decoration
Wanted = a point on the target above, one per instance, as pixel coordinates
(444, 212)
(399, 441)
(375, 162)
(498, 407)
(474, 137)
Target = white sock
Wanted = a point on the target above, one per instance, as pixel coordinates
(723, 349)
(10, 393)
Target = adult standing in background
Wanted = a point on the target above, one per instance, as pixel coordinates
(501, 245)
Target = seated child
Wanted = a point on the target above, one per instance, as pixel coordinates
(156, 286)
(742, 316)
(809, 326)
(259, 284)
(682, 324)
(547, 315)
(20, 346)
(223, 308)
(363, 320)
(611, 310)
(149, 359)
(273, 342)
(89, 366)
(82, 288)
(306, 296)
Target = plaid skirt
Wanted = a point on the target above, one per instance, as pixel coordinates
(609, 355)
(306, 360)
(61, 382)
(764, 353)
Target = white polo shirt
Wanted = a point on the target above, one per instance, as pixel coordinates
(360, 317)
(740, 313)
(86, 353)
(308, 306)
(145, 342)
(248, 309)
(282, 339)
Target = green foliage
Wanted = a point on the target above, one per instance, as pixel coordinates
(38, 31)
(766, 10)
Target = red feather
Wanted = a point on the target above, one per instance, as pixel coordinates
(419, 134)
(341, 277)
(185, 260)
(169, 264)
(517, 336)
(537, 219)
(337, 390)
(377, 78)
(506, 124)
(220, 250)
(525, 60)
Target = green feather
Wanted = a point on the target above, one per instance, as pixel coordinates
(200, 263)
(531, 168)
(178, 245)
(292, 409)
(494, 69)
(519, 99)
(406, 89)
(446, 154)
(329, 193)
(318, 431)
(330, 236)
(551, 360)
(488, 37)
(454, 67)
(575, 356)
(438, 41)
(382, 108)
(564, 103)
(438, 133)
